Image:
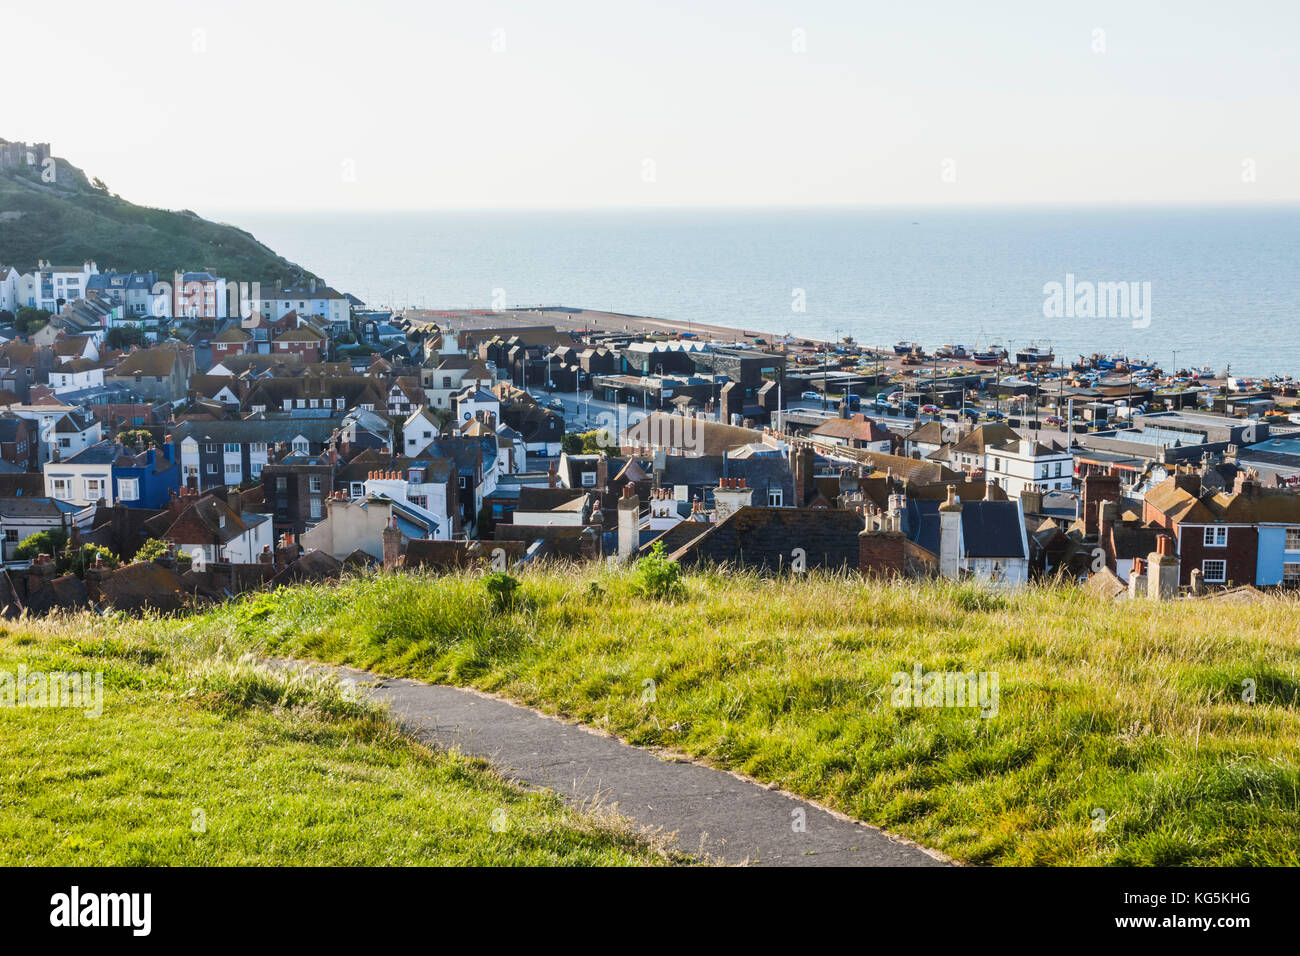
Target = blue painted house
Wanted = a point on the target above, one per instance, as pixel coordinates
(147, 480)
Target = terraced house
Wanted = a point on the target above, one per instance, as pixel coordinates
(161, 373)
(1250, 535)
(233, 452)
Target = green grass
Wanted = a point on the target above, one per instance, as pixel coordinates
(1130, 710)
(209, 760)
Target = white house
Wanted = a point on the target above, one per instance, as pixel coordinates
(75, 375)
(311, 299)
(20, 518)
(52, 286)
(9, 287)
(1018, 462)
(477, 402)
(63, 427)
(84, 478)
(984, 540)
(220, 533)
(453, 374)
(419, 431)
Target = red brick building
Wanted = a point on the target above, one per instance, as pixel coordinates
(304, 341)
(233, 341)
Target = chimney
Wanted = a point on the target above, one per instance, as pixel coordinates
(1162, 581)
(589, 544)
(391, 544)
(553, 475)
(287, 552)
(234, 501)
(1107, 514)
(602, 472)
(1188, 480)
(95, 580)
(1096, 489)
(629, 513)
(1031, 499)
(950, 535)
(1137, 579)
(729, 497)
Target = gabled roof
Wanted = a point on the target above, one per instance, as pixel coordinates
(980, 438)
(858, 428)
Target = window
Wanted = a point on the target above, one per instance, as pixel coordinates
(212, 468)
(357, 489)
(1057, 471)
(315, 483)
(1216, 537)
(234, 470)
(257, 448)
(62, 488)
(281, 483)
(1291, 575)
(1214, 572)
(95, 489)
(464, 482)
(300, 446)
(315, 507)
(11, 535)
(210, 449)
(1293, 539)
(128, 489)
(774, 498)
(231, 448)
(588, 479)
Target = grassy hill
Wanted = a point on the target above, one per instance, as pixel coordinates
(1123, 733)
(72, 220)
(216, 761)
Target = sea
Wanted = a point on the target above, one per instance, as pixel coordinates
(1202, 286)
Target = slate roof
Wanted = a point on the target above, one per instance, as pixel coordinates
(763, 538)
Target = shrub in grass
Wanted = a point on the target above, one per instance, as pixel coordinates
(502, 590)
(657, 577)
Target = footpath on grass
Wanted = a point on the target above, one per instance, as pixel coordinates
(712, 813)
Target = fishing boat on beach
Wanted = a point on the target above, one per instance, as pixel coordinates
(905, 348)
(1033, 355)
(989, 356)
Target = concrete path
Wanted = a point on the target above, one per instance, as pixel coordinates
(731, 819)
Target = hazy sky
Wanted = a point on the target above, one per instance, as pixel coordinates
(381, 104)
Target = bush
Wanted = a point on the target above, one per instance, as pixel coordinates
(153, 548)
(51, 542)
(77, 562)
(502, 590)
(658, 577)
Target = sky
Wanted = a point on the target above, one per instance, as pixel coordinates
(385, 105)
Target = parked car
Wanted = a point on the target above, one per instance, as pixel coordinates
(930, 409)
(811, 396)
(555, 405)
(994, 415)
(1056, 421)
